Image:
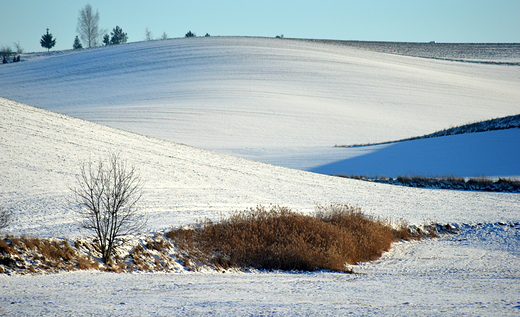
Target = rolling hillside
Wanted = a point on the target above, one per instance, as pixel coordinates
(278, 101)
(41, 153)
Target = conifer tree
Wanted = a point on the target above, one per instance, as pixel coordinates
(77, 44)
(118, 36)
(47, 41)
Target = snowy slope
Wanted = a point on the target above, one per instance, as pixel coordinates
(278, 101)
(492, 154)
(41, 152)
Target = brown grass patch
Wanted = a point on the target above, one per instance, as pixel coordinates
(28, 255)
(280, 239)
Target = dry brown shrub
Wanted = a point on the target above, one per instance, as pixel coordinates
(6, 248)
(158, 243)
(30, 243)
(16, 243)
(141, 258)
(278, 238)
(84, 263)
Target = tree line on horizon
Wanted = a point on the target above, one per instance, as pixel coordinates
(91, 35)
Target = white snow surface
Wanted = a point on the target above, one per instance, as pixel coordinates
(284, 102)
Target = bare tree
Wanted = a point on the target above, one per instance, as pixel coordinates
(148, 35)
(18, 47)
(164, 36)
(5, 217)
(5, 51)
(107, 194)
(88, 26)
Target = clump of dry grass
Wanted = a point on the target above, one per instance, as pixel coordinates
(280, 239)
(33, 255)
(30, 255)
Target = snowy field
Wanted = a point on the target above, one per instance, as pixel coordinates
(281, 102)
(501, 53)
(465, 275)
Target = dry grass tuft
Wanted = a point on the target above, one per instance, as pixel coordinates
(87, 263)
(30, 255)
(280, 239)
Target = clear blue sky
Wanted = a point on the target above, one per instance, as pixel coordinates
(484, 21)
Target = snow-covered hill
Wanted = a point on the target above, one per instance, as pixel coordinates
(279, 101)
(41, 153)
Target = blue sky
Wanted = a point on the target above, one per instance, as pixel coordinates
(25, 21)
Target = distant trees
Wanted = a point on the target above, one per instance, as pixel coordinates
(118, 36)
(164, 36)
(77, 44)
(5, 51)
(88, 26)
(190, 34)
(107, 193)
(47, 41)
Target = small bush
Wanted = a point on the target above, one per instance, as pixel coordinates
(280, 239)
